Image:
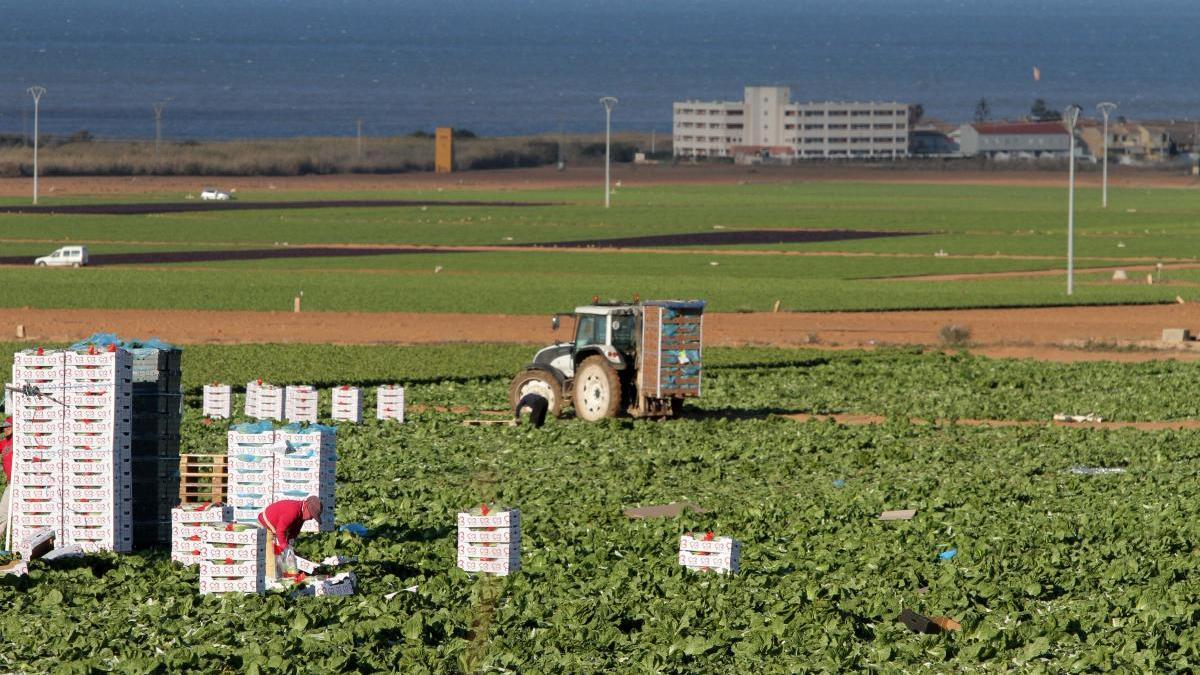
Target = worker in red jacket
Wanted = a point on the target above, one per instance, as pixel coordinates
(283, 521)
(6, 456)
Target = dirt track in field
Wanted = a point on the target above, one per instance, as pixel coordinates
(1040, 333)
(148, 208)
(731, 237)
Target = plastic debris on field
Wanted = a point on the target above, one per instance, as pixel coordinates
(948, 554)
(839, 483)
(1095, 470)
(357, 529)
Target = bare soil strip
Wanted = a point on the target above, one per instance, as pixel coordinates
(194, 206)
(1038, 333)
(732, 238)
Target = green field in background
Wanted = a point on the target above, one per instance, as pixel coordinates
(1142, 226)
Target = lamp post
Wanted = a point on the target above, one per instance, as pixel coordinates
(609, 102)
(1105, 108)
(36, 93)
(1072, 118)
(158, 110)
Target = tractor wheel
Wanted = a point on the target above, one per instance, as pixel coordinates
(597, 390)
(536, 382)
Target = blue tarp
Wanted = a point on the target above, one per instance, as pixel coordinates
(254, 427)
(103, 340)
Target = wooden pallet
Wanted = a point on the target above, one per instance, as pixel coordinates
(203, 478)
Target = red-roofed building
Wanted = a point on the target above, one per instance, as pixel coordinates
(1021, 139)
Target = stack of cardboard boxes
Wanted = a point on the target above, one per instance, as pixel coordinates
(302, 403)
(347, 404)
(490, 542)
(218, 401)
(71, 447)
(389, 402)
(234, 559)
(189, 524)
(157, 415)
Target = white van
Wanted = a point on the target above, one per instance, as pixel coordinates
(67, 256)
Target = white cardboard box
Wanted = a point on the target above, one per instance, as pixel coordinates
(721, 554)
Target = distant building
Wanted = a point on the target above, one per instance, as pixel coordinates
(1019, 139)
(931, 142)
(767, 126)
(1127, 141)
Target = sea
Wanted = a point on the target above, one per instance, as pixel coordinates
(224, 69)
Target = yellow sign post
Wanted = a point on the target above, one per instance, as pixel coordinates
(444, 158)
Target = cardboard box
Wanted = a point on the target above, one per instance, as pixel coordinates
(389, 403)
(340, 585)
(250, 584)
(717, 555)
(497, 567)
(201, 513)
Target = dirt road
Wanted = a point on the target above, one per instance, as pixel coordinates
(1043, 333)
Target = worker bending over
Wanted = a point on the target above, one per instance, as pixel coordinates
(283, 521)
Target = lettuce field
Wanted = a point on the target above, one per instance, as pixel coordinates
(1053, 570)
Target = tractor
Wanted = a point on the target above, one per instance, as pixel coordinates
(641, 359)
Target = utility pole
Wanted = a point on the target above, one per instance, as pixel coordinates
(158, 110)
(1072, 118)
(1105, 108)
(36, 93)
(609, 102)
(358, 124)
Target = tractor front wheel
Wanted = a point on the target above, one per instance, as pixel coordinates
(597, 390)
(536, 382)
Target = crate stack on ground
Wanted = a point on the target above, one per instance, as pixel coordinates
(265, 401)
(490, 542)
(346, 404)
(234, 559)
(306, 465)
(251, 466)
(189, 525)
(97, 459)
(157, 416)
(302, 403)
(389, 402)
(218, 401)
(710, 554)
(38, 444)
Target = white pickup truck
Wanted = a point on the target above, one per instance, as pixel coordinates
(213, 194)
(67, 256)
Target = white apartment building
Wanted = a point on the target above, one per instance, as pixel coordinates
(767, 125)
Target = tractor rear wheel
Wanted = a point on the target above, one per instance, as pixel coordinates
(536, 382)
(597, 390)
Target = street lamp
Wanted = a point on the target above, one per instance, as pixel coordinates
(1105, 108)
(609, 102)
(158, 111)
(36, 93)
(1072, 118)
